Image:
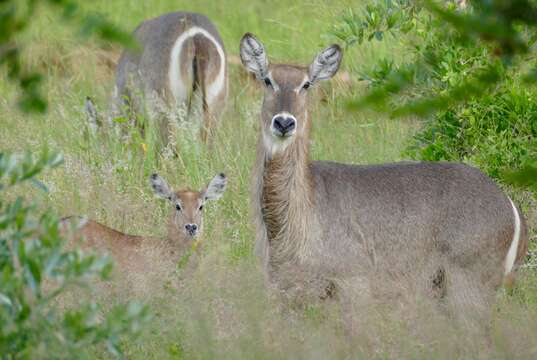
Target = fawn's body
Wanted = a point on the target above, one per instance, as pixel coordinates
(142, 260)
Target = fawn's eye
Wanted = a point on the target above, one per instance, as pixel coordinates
(268, 82)
(306, 85)
(178, 207)
(200, 208)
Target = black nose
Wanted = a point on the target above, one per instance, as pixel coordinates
(284, 124)
(191, 228)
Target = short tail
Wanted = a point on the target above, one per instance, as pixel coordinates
(518, 248)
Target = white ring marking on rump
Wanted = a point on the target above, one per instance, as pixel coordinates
(177, 85)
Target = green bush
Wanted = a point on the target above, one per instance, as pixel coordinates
(466, 73)
(35, 272)
(496, 132)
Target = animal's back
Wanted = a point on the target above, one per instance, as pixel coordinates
(405, 213)
(140, 262)
(151, 65)
(104, 240)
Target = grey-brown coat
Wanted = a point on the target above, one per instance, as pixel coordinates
(181, 53)
(324, 227)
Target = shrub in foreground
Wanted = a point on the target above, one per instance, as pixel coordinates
(35, 272)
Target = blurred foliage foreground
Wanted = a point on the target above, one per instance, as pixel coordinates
(36, 272)
(15, 19)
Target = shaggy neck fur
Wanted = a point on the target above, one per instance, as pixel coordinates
(283, 202)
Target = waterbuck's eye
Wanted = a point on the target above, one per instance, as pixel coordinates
(178, 207)
(268, 82)
(306, 85)
(200, 208)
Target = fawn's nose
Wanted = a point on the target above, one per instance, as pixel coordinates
(283, 124)
(191, 229)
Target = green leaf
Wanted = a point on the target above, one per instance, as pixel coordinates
(35, 274)
(378, 35)
(39, 185)
(4, 299)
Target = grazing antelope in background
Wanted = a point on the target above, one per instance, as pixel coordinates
(142, 255)
(181, 52)
(322, 225)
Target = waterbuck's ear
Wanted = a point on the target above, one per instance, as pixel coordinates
(254, 56)
(161, 188)
(326, 64)
(216, 188)
(91, 114)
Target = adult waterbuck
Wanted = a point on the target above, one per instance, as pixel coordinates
(181, 52)
(323, 227)
(142, 259)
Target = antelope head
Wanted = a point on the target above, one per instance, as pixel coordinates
(187, 205)
(284, 113)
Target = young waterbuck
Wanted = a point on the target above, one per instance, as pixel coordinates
(323, 227)
(181, 53)
(141, 258)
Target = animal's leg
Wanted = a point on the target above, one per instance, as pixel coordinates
(469, 301)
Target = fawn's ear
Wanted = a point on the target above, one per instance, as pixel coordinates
(161, 188)
(92, 115)
(216, 188)
(326, 64)
(253, 56)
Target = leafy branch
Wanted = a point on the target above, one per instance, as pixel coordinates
(36, 272)
(487, 41)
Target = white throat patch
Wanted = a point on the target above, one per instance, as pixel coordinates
(274, 145)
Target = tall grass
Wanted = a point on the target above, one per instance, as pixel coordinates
(222, 309)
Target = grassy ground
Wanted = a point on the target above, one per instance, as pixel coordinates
(223, 310)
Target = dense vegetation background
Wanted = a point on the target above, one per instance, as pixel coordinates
(394, 50)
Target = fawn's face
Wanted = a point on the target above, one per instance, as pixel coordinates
(187, 205)
(284, 112)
